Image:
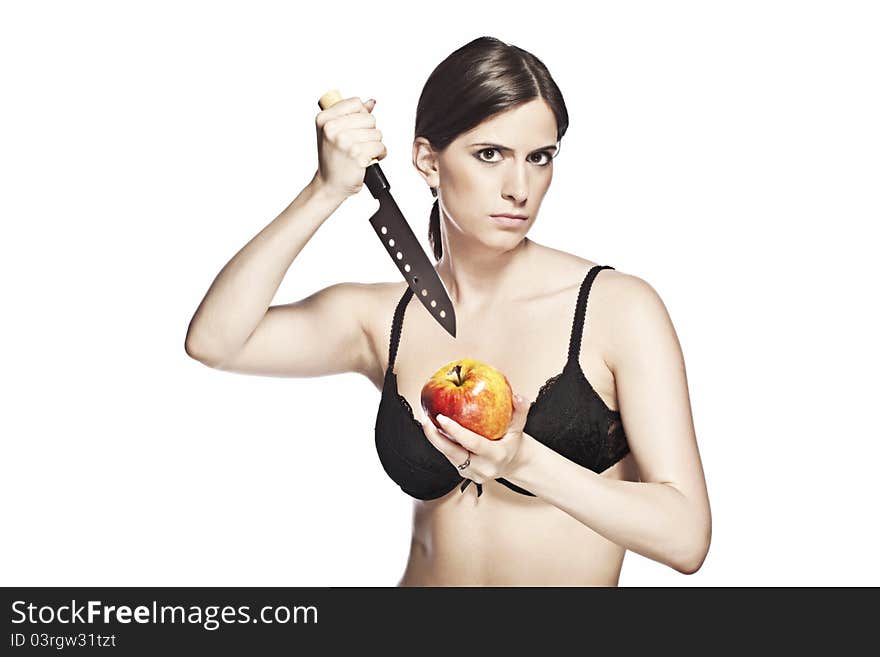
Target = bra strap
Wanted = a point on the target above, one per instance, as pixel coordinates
(397, 326)
(574, 345)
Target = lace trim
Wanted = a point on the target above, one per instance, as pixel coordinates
(545, 389)
(405, 403)
(583, 377)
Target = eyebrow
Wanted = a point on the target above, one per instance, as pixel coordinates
(508, 149)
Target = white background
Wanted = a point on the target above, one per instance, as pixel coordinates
(727, 153)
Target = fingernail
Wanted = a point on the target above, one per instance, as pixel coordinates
(441, 419)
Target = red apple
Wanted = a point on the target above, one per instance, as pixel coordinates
(474, 394)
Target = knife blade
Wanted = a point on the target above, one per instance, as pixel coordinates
(401, 244)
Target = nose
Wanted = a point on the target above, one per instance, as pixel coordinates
(516, 184)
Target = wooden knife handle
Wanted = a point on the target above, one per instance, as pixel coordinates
(328, 100)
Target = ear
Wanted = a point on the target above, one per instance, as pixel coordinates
(425, 161)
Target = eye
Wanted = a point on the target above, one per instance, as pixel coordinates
(547, 154)
(486, 150)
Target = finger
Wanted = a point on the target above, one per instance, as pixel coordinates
(343, 107)
(350, 123)
(361, 135)
(521, 407)
(449, 448)
(471, 441)
(347, 106)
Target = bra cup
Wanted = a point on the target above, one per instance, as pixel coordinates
(567, 418)
(405, 452)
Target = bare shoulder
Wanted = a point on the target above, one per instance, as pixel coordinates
(632, 315)
(623, 308)
(570, 268)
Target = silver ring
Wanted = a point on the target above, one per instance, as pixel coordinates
(466, 463)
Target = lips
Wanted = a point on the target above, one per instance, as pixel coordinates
(510, 216)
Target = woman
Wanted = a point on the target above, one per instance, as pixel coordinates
(602, 459)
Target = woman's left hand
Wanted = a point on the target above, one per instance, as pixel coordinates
(490, 459)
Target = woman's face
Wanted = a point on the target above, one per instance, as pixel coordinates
(503, 165)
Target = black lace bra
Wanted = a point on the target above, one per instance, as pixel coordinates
(568, 416)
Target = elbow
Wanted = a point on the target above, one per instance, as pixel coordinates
(693, 564)
(193, 349)
(198, 351)
(696, 554)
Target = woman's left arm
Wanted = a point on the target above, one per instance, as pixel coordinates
(665, 516)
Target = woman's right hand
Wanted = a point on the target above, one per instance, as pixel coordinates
(347, 142)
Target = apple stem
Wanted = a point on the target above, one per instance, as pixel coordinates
(458, 374)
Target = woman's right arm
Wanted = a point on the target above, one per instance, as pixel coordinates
(235, 329)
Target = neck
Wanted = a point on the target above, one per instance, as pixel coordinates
(478, 279)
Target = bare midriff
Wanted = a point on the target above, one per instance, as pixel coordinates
(504, 538)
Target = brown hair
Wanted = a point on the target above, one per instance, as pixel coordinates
(480, 79)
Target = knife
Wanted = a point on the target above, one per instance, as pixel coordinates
(400, 243)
